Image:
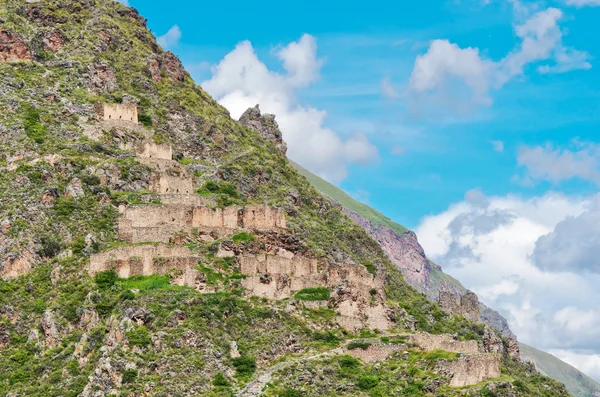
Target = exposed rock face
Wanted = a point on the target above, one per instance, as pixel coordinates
(50, 331)
(513, 348)
(53, 41)
(468, 308)
(492, 342)
(172, 66)
(17, 265)
(101, 78)
(405, 252)
(265, 125)
(105, 380)
(13, 48)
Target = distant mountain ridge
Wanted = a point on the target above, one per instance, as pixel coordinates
(403, 249)
(578, 384)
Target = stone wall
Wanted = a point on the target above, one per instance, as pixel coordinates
(147, 149)
(163, 183)
(158, 223)
(444, 342)
(143, 260)
(471, 369)
(374, 353)
(117, 111)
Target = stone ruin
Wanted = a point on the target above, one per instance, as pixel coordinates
(117, 111)
(468, 307)
(159, 223)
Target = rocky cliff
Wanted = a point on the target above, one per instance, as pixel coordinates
(180, 253)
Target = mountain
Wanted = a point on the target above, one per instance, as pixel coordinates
(404, 251)
(578, 384)
(150, 245)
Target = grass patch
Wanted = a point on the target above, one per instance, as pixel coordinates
(33, 127)
(313, 294)
(243, 237)
(358, 345)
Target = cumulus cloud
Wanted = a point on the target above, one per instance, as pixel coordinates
(573, 245)
(171, 38)
(556, 165)
(460, 79)
(241, 80)
(589, 363)
(490, 244)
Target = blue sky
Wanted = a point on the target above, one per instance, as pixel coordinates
(473, 122)
(361, 46)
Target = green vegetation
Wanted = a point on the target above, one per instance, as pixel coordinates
(358, 345)
(33, 127)
(139, 337)
(129, 375)
(244, 366)
(224, 193)
(578, 384)
(243, 237)
(313, 294)
(145, 119)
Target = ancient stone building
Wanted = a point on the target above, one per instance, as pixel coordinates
(117, 111)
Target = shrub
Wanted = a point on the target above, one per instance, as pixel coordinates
(290, 393)
(366, 382)
(129, 375)
(139, 337)
(106, 279)
(145, 119)
(33, 128)
(313, 294)
(51, 246)
(220, 380)
(243, 237)
(245, 366)
(349, 363)
(358, 345)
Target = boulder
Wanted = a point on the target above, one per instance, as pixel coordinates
(265, 125)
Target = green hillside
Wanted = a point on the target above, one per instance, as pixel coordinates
(346, 201)
(578, 384)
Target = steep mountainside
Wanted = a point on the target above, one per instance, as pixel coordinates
(578, 384)
(403, 249)
(152, 246)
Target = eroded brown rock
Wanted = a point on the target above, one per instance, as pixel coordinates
(13, 48)
(53, 41)
(173, 67)
(265, 125)
(52, 338)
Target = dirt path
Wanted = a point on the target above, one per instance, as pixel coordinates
(254, 388)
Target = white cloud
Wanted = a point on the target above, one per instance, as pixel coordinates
(584, 3)
(556, 165)
(588, 363)
(241, 80)
(498, 146)
(388, 89)
(455, 79)
(171, 38)
(489, 244)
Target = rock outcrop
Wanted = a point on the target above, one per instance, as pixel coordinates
(444, 342)
(265, 125)
(468, 307)
(13, 48)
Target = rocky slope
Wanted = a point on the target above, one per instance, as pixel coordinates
(180, 254)
(403, 249)
(578, 384)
